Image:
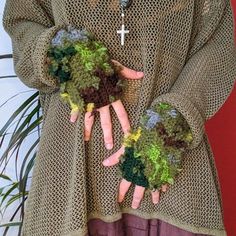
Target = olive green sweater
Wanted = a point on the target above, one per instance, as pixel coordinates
(185, 49)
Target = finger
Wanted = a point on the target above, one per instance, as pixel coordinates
(88, 124)
(129, 73)
(106, 125)
(114, 158)
(138, 196)
(74, 116)
(122, 115)
(155, 196)
(164, 187)
(123, 188)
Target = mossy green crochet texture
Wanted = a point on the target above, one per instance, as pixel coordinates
(153, 152)
(83, 66)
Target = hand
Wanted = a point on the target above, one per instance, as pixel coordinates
(125, 185)
(104, 111)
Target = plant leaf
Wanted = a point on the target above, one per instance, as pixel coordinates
(7, 224)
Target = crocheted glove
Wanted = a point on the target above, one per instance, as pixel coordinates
(83, 67)
(153, 152)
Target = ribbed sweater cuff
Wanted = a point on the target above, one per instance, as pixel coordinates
(39, 59)
(190, 113)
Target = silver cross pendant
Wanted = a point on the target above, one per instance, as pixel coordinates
(122, 33)
(123, 4)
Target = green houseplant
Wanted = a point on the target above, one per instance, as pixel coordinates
(24, 121)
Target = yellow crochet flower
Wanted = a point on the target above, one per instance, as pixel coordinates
(189, 137)
(73, 106)
(64, 95)
(132, 137)
(90, 107)
(136, 135)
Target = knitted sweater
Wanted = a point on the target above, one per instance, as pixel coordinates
(185, 49)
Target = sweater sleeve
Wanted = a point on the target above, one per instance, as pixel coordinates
(207, 78)
(30, 25)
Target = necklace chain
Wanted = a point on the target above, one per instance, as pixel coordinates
(124, 4)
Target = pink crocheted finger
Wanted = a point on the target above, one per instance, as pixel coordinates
(123, 189)
(114, 158)
(155, 196)
(105, 119)
(88, 124)
(138, 196)
(122, 115)
(128, 72)
(164, 188)
(74, 116)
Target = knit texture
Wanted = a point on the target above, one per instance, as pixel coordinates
(185, 49)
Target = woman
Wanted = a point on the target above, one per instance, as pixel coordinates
(186, 52)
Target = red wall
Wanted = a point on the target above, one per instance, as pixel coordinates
(221, 130)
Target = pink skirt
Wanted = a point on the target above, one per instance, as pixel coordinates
(131, 225)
